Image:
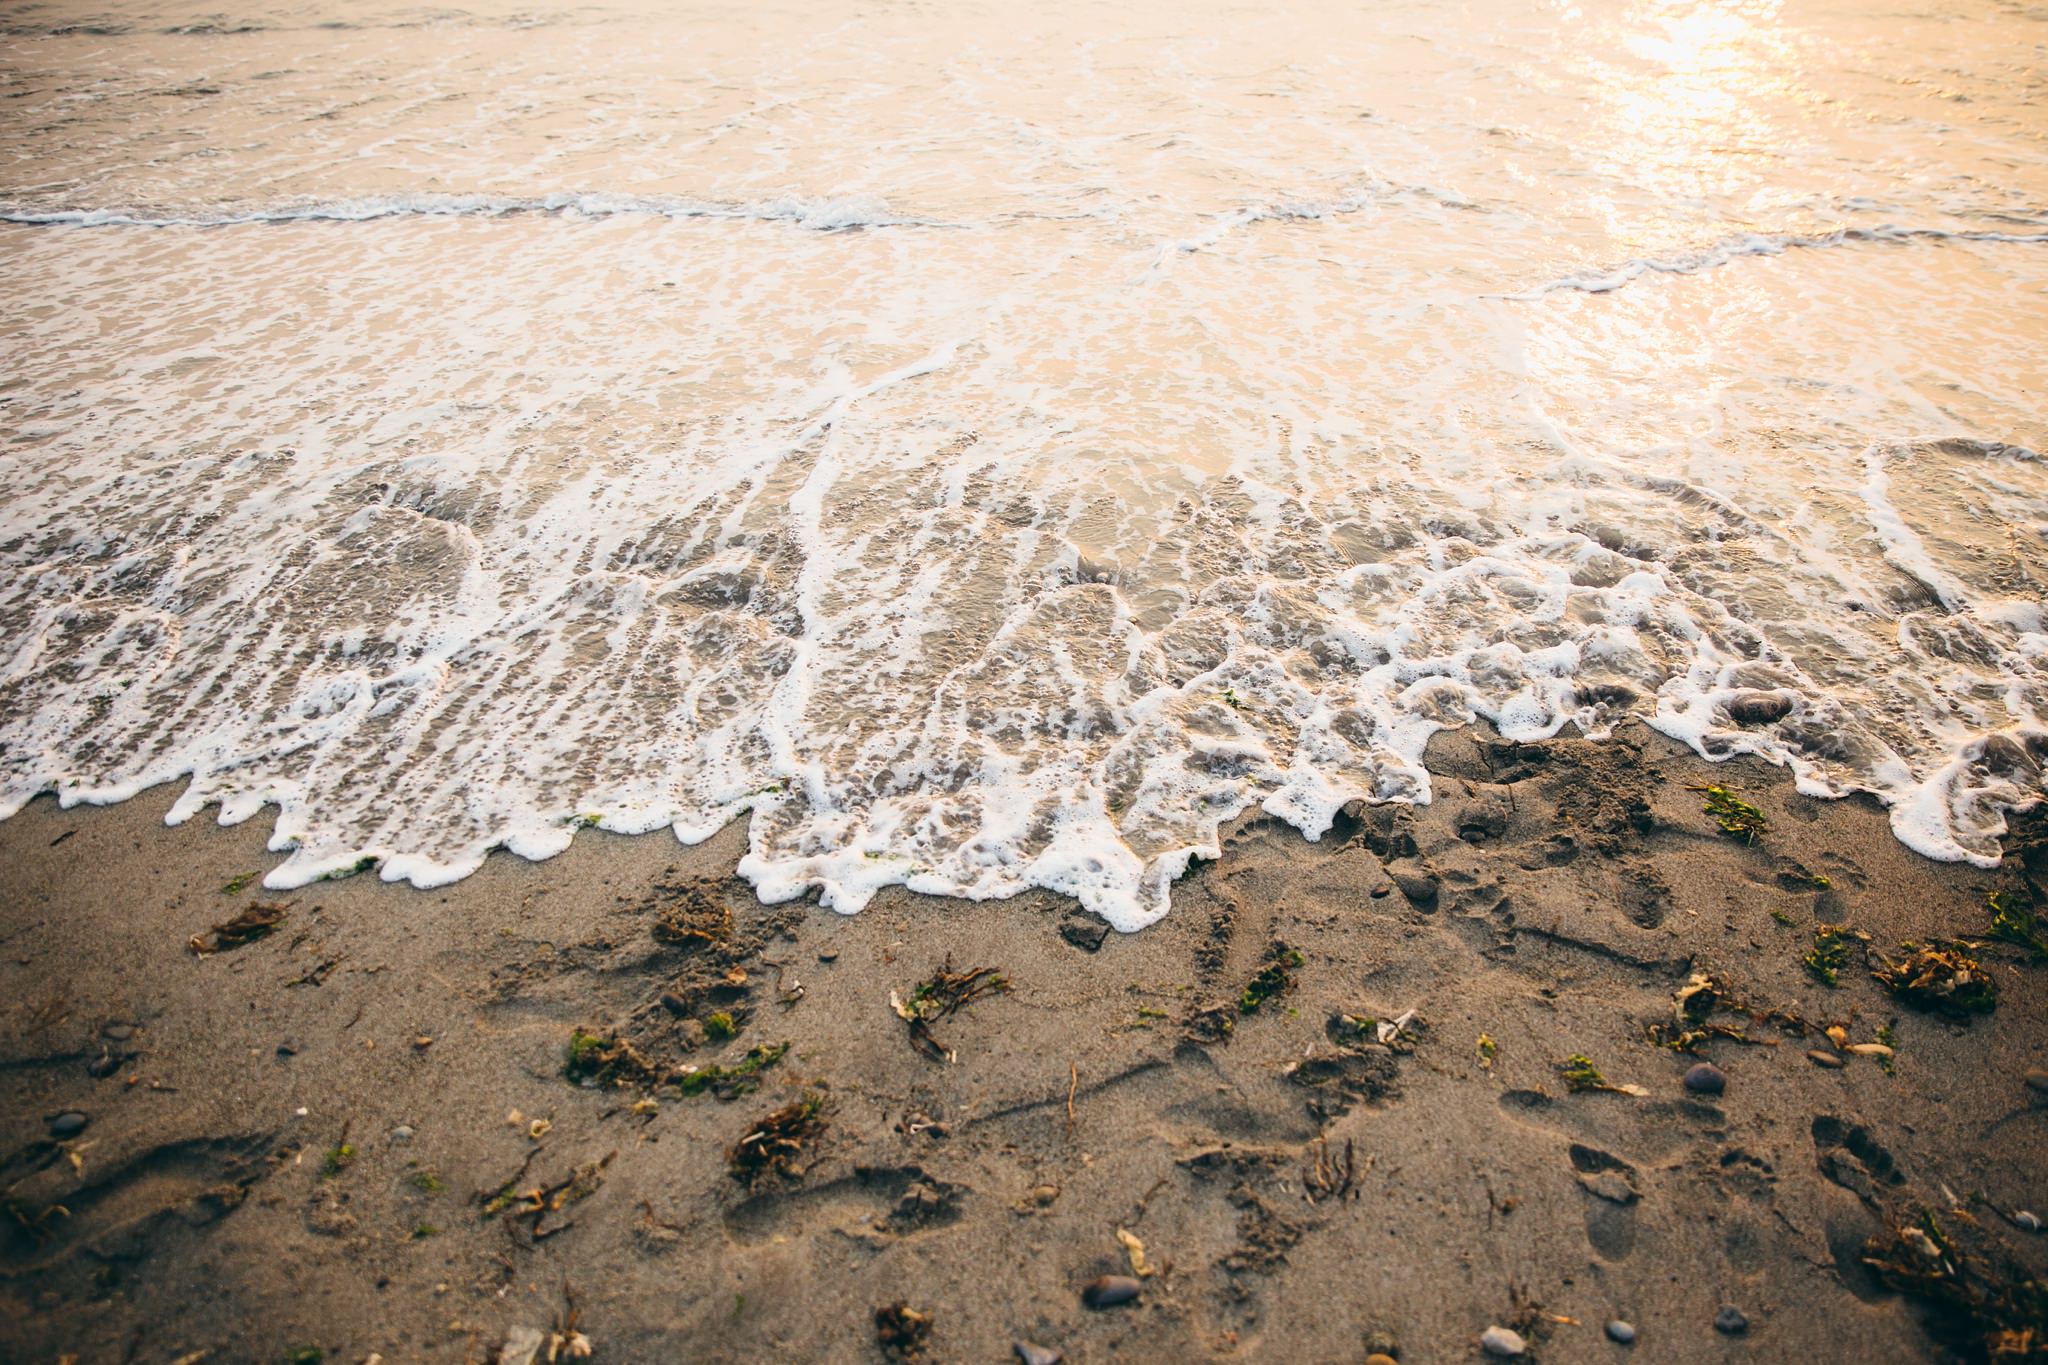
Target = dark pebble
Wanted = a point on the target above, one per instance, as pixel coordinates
(829, 955)
(1706, 1079)
(1759, 708)
(1731, 1321)
(68, 1124)
(1036, 1355)
(106, 1065)
(287, 1050)
(674, 1005)
(1110, 1291)
(1418, 887)
(1620, 1331)
(1084, 931)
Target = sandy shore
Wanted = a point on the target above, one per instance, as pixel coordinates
(355, 1134)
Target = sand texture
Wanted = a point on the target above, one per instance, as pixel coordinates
(354, 1131)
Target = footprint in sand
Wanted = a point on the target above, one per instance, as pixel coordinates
(1611, 1195)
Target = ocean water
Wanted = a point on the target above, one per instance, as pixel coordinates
(986, 446)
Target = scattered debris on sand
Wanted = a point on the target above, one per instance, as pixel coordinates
(260, 920)
(902, 1331)
(1939, 977)
(943, 993)
(1736, 817)
(778, 1142)
(1981, 1299)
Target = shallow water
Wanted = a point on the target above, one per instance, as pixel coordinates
(986, 450)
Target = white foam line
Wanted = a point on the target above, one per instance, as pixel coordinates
(1762, 244)
(815, 215)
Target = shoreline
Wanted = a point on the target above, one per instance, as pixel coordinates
(1296, 1186)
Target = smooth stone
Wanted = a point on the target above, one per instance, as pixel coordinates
(402, 1133)
(1380, 1358)
(1833, 1061)
(1499, 1341)
(68, 1124)
(1418, 887)
(1731, 1321)
(830, 956)
(1620, 1331)
(1759, 708)
(105, 1065)
(674, 1004)
(2037, 1081)
(1036, 1355)
(1706, 1079)
(1110, 1290)
(120, 1033)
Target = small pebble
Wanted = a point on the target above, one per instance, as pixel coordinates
(68, 1124)
(674, 1004)
(106, 1065)
(1036, 1355)
(2037, 1081)
(287, 1050)
(120, 1033)
(402, 1133)
(1499, 1341)
(1109, 1291)
(1706, 1079)
(2030, 1221)
(830, 955)
(1620, 1331)
(1833, 1061)
(1380, 1358)
(1731, 1321)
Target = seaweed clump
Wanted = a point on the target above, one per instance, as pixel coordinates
(1736, 817)
(2015, 922)
(1706, 994)
(1833, 946)
(777, 1142)
(1980, 1301)
(260, 920)
(1943, 978)
(901, 1330)
(1580, 1074)
(608, 1060)
(943, 993)
(1276, 978)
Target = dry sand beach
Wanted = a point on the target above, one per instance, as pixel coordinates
(359, 1133)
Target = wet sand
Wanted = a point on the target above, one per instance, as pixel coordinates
(326, 1138)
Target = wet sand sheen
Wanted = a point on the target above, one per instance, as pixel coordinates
(1296, 1187)
(987, 454)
